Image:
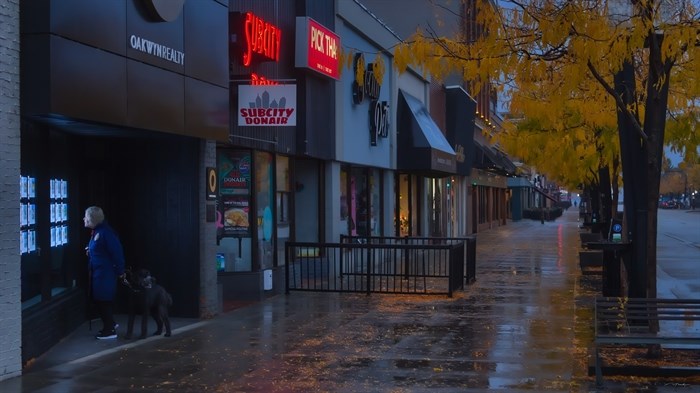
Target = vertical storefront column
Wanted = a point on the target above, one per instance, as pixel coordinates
(10, 308)
(264, 207)
(209, 300)
(388, 212)
(336, 208)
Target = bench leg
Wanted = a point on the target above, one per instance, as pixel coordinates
(598, 369)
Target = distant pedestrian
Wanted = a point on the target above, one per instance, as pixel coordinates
(106, 263)
(542, 215)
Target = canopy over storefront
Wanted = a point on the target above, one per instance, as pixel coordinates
(422, 147)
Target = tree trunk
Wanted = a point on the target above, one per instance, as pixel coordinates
(654, 127)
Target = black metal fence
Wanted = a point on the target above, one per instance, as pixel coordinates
(406, 265)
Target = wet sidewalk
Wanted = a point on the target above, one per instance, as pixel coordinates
(521, 327)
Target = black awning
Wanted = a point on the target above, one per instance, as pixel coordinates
(491, 159)
(485, 157)
(506, 163)
(422, 147)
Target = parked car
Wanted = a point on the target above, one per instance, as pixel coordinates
(670, 204)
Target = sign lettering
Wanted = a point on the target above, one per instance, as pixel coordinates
(257, 80)
(267, 105)
(157, 50)
(378, 121)
(261, 38)
(370, 88)
(317, 47)
(459, 149)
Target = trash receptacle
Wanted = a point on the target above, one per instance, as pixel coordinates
(470, 271)
(612, 264)
(612, 284)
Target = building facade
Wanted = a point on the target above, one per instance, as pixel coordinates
(10, 282)
(121, 103)
(211, 133)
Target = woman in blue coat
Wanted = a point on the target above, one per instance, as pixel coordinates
(106, 263)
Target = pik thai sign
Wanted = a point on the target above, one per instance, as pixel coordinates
(318, 48)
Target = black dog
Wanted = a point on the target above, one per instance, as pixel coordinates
(145, 296)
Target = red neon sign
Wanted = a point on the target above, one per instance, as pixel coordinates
(257, 80)
(262, 38)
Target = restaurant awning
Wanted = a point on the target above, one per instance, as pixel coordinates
(422, 147)
(488, 158)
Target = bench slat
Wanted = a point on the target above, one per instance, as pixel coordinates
(633, 316)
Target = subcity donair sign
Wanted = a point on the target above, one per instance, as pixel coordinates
(267, 105)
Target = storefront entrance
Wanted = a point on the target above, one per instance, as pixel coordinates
(146, 184)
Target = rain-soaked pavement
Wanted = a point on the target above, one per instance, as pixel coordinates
(523, 326)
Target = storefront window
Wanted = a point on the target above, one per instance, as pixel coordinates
(50, 261)
(449, 207)
(408, 205)
(344, 202)
(482, 203)
(436, 208)
(233, 224)
(375, 188)
(264, 200)
(283, 192)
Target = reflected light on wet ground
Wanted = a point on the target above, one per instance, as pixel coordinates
(517, 328)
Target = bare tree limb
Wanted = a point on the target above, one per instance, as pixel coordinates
(618, 100)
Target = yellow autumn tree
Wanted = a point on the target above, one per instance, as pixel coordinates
(567, 137)
(634, 61)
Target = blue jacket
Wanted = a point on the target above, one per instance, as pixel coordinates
(106, 262)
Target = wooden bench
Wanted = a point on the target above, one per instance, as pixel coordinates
(626, 322)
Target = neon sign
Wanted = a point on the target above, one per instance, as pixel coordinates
(257, 80)
(261, 38)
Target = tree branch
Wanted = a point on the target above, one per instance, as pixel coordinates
(618, 100)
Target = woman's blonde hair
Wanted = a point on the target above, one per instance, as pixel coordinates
(95, 215)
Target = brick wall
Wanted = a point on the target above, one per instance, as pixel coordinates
(10, 290)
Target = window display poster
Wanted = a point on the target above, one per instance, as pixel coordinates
(53, 213)
(64, 212)
(23, 214)
(53, 189)
(32, 214)
(53, 236)
(23, 187)
(234, 169)
(32, 241)
(236, 217)
(64, 189)
(23, 242)
(64, 234)
(32, 187)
